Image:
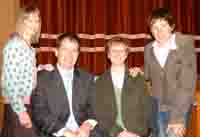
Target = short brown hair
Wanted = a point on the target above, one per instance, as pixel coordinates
(70, 36)
(162, 14)
(116, 40)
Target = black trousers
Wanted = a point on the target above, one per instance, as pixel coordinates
(12, 126)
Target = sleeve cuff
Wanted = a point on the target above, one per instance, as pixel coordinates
(18, 110)
(59, 133)
(92, 122)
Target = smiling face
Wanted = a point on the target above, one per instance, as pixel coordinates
(161, 24)
(161, 30)
(36, 28)
(35, 23)
(117, 53)
(67, 53)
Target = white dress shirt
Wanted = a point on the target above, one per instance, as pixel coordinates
(161, 52)
(68, 81)
(117, 79)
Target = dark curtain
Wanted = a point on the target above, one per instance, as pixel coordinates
(109, 17)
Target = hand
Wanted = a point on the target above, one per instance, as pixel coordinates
(70, 133)
(27, 100)
(178, 129)
(86, 126)
(25, 120)
(48, 67)
(126, 133)
(135, 71)
(84, 130)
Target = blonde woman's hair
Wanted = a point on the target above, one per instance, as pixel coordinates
(27, 15)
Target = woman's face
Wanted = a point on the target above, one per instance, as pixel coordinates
(31, 27)
(161, 30)
(117, 54)
(36, 28)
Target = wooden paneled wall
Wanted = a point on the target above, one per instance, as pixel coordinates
(8, 12)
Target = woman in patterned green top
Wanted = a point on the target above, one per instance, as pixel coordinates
(19, 74)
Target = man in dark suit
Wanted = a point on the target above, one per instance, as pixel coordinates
(170, 66)
(63, 100)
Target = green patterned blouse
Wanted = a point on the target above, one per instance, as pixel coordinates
(18, 72)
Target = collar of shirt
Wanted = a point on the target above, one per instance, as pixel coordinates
(118, 79)
(169, 45)
(66, 74)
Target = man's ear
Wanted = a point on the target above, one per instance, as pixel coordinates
(173, 27)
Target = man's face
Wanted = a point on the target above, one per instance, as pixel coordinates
(161, 30)
(117, 54)
(67, 54)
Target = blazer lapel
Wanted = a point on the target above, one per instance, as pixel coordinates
(125, 83)
(173, 54)
(170, 59)
(76, 88)
(60, 91)
(111, 93)
(154, 60)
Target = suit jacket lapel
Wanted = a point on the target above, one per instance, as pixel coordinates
(125, 83)
(154, 60)
(76, 91)
(125, 93)
(173, 54)
(111, 93)
(60, 90)
(170, 59)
